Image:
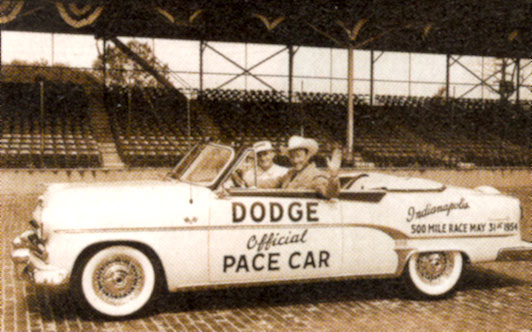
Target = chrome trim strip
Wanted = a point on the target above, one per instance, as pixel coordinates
(363, 196)
(393, 233)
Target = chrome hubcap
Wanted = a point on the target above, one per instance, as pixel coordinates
(118, 279)
(433, 267)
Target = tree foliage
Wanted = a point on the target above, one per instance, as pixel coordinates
(123, 71)
(33, 71)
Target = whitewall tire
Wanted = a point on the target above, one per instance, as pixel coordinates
(116, 281)
(434, 274)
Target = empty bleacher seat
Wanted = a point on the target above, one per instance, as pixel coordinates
(39, 139)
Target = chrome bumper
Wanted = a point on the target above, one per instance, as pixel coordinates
(522, 252)
(29, 266)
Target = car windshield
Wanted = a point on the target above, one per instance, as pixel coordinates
(203, 164)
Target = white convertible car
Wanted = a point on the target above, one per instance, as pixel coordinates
(119, 244)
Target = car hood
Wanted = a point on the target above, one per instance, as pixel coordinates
(118, 204)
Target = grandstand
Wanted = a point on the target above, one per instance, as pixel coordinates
(150, 127)
(53, 123)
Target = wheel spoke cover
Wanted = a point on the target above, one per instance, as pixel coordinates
(118, 279)
(433, 267)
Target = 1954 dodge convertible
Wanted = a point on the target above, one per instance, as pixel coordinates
(118, 244)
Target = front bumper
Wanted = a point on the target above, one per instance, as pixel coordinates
(523, 252)
(29, 266)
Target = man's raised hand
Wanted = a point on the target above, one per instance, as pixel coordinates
(334, 162)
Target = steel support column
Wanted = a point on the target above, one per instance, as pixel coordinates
(517, 79)
(41, 104)
(201, 51)
(371, 77)
(447, 76)
(350, 108)
(290, 72)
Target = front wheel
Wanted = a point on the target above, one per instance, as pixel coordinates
(434, 274)
(116, 281)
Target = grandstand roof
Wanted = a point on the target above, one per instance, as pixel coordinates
(468, 27)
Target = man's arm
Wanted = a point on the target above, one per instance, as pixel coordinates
(327, 186)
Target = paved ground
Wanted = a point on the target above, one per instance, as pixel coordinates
(492, 297)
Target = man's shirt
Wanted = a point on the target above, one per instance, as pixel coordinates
(275, 171)
(309, 178)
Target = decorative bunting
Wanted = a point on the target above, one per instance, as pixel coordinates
(78, 16)
(270, 25)
(183, 21)
(9, 9)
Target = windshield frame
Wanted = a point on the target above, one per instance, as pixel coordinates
(243, 153)
(200, 148)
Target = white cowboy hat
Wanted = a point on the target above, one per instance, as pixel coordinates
(262, 146)
(298, 142)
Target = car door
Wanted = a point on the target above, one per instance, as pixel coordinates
(273, 234)
(369, 239)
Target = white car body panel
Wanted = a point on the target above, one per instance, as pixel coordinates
(208, 237)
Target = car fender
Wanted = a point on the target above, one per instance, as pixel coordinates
(474, 249)
(80, 244)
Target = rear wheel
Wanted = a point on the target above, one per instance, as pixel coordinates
(434, 274)
(116, 281)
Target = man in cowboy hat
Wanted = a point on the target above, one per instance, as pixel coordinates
(266, 168)
(304, 174)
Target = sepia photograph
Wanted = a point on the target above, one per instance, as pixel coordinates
(260, 166)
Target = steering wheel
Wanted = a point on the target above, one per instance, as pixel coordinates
(238, 179)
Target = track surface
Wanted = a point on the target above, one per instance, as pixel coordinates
(492, 297)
